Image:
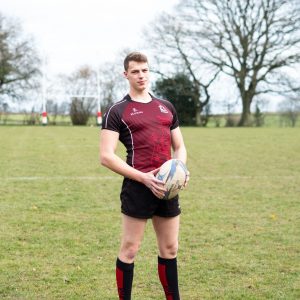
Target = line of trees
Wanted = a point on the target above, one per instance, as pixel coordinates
(253, 43)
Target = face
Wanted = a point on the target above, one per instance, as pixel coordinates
(137, 75)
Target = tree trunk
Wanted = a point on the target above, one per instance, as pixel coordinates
(198, 111)
(245, 119)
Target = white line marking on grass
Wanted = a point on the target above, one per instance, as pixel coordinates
(35, 178)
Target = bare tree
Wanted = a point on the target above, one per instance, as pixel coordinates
(289, 111)
(289, 108)
(81, 84)
(19, 62)
(171, 46)
(251, 41)
(112, 84)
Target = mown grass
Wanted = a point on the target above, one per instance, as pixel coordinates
(60, 220)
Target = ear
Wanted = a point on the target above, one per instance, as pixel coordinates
(125, 73)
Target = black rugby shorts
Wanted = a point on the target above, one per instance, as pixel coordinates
(138, 201)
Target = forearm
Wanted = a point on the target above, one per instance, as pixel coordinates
(180, 153)
(179, 150)
(118, 165)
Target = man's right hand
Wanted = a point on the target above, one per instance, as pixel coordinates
(155, 185)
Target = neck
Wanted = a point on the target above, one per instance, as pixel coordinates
(142, 96)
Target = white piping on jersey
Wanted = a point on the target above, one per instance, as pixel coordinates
(132, 160)
(110, 110)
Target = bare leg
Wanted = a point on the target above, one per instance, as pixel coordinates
(132, 235)
(167, 230)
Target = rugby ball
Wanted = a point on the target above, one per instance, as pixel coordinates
(174, 175)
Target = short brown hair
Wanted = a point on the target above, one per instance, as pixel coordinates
(134, 56)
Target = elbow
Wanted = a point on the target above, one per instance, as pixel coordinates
(107, 159)
(104, 160)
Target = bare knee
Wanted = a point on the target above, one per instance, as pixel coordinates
(128, 251)
(169, 250)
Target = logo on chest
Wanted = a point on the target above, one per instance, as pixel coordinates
(136, 112)
(163, 109)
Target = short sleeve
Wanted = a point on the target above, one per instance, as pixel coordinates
(175, 121)
(112, 119)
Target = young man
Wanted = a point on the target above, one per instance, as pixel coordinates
(148, 127)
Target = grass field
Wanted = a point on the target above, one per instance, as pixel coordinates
(60, 220)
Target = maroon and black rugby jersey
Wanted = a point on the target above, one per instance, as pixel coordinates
(145, 130)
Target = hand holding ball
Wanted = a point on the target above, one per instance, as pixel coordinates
(174, 174)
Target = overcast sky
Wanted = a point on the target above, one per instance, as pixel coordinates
(71, 33)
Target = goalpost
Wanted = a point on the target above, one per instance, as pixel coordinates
(99, 113)
(45, 96)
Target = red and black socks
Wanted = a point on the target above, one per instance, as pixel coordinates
(124, 276)
(167, 271)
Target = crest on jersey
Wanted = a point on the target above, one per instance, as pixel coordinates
(163, 109)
